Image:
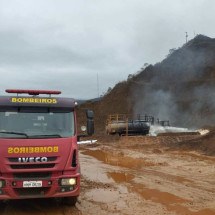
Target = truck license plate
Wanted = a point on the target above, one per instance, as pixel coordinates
(32, 183)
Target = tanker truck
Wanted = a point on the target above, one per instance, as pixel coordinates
(123, 124)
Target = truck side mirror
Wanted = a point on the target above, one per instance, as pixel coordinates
(90, 127)
(90, 114)
(90, 122)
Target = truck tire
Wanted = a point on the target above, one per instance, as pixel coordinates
(70, 201)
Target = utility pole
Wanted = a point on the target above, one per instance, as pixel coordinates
(186, 35)
(98, 84)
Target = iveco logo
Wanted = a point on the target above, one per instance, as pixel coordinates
(33, 159)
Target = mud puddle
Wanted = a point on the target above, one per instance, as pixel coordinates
(118, 159)
(171, 202)
(153, 195)
(121, 177)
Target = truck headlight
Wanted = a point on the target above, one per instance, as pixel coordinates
(68, 181)
(2, 183)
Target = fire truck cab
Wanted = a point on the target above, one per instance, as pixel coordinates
(38, 146)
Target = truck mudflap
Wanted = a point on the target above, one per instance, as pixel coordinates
(40, 188)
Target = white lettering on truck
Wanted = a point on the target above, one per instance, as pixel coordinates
(33, 160)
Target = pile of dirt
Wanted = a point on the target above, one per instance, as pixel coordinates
(205, 144)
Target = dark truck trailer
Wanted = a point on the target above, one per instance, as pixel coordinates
(122, 124)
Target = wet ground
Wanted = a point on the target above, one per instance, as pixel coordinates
(142, 179)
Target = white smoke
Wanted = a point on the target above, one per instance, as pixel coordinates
(157, 129)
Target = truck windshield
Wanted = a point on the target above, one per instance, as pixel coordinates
(36, 124)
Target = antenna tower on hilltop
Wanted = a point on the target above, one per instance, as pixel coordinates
(186, 35)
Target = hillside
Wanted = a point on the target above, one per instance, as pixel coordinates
(181, 89)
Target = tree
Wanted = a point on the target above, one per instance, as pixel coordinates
(130, 76)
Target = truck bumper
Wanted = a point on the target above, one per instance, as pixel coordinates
(39, 188)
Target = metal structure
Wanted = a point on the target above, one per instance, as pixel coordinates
(123, 124)
(163, 123)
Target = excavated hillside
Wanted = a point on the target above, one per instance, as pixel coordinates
(181, 89)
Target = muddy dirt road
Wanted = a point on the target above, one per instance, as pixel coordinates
(139, 179)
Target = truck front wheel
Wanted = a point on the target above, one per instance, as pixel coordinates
(70, 201)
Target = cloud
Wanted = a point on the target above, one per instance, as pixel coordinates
(61, 43)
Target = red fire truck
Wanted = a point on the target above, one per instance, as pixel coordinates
(38, 146)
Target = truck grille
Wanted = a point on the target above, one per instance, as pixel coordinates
(16, 164)
(32, 175)
(32, 166)
(32, 192)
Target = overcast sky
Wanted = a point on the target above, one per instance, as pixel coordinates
(66, 44)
